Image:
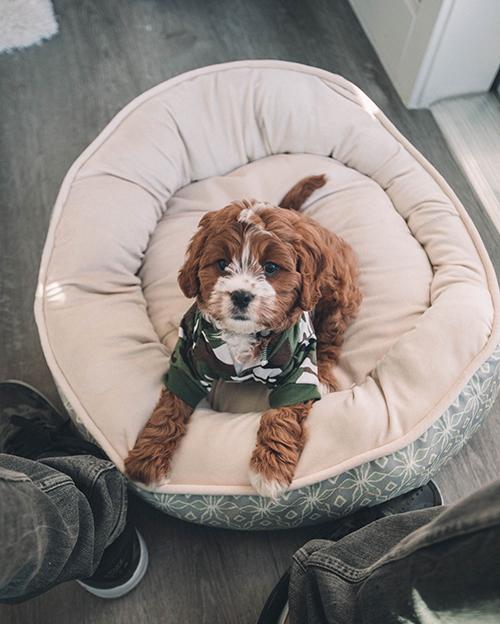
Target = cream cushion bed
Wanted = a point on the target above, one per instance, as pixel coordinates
(420, 360)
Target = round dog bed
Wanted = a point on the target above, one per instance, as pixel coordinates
(420, 365)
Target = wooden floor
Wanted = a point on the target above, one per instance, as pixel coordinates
(54, 100)
(471, 126)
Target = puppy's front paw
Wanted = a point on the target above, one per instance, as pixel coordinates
(268, 487)
(146, 469)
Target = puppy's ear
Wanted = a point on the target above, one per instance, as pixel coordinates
(313, 252)
(188, 274)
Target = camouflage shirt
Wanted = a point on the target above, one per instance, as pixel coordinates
(286, 364)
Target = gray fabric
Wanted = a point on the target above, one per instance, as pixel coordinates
(57, 516)
(422, 567)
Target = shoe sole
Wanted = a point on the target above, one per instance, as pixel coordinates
(134, 580)
(284, 615)
(18, 382)
(437, 493)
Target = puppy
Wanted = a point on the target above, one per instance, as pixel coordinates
(274, 293)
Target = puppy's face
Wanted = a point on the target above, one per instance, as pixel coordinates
(253, 266)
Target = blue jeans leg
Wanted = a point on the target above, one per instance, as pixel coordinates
(57, 516)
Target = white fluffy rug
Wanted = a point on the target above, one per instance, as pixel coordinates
(25, 22)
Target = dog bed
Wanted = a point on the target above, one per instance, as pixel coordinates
(420, 365)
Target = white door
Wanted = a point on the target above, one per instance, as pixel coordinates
(434, 49)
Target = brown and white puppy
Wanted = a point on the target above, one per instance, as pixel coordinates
(286, 263)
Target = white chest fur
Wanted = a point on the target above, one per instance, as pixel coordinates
(242, 350)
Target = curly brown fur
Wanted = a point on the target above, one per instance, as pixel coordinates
(337, 306)
(298, 194)
(149, 460)
(337, 284)
(280, 440)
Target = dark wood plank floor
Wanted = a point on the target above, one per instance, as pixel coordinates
(54, 99)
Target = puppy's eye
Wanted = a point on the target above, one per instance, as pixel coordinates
(222, 264)
(270, 268)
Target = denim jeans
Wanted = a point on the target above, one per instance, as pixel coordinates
(421, 567)
(57, 516)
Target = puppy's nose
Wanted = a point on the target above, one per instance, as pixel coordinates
(241, 298)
